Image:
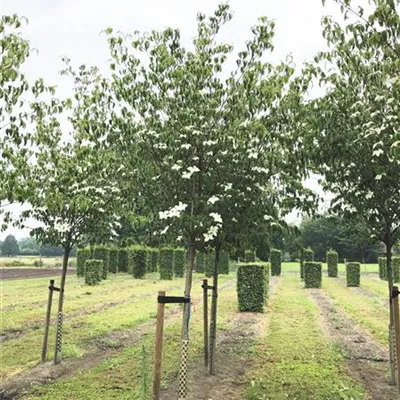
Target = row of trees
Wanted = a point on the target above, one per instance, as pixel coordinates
(209, 154)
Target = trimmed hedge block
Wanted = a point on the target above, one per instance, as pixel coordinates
(166, 264)
(93, 272)
(209, 263)
(353, 274)
(153, 261)
(113, 261)
(382, 268)
(252, 286)
(82, 255)
(275, 258)
(179, 262)
(123, 260)
(224, 263)
(137, 260)
(306, 255)
(396, 269)
(332, 262)
(249, 256)
(312, 274)
(102, 253)
(200, 261)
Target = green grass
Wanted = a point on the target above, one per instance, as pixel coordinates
(80, 331)
(120, 376)
(295, 267)
(370, 313)
(295, 360)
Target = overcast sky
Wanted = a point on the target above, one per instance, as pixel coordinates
(73, 28)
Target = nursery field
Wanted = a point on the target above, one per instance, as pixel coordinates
(328, 343)
(29, 261)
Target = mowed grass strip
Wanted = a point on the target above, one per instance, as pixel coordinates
(80, 332)
(376, 286)
(122, 376)
(296, 360)
(369, 313)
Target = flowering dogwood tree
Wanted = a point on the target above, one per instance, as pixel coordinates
(184, 124)
(71, 189)
(357, 123)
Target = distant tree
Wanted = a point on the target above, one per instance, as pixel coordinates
(29, 246)
(48, 250)
(10, 246)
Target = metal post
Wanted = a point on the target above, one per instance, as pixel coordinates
(158, 349)
(395, 302)
(47, 322)
(205, 320)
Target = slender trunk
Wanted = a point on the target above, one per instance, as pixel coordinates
(185, 324)
(213, 317)
(57, 353)
(389, 271)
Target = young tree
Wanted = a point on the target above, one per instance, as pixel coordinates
(71, 189)
(10, 246)
(357, 123)
(186, 121)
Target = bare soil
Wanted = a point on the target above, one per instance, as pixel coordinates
(98, 350)
(28, 273)
(232, 361)
(367, 360)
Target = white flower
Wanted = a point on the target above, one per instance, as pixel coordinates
(211, 233)
(210, 142)
(224, 153)
(228, 186)
(164, 231)
(267, 218)
(176, 167)
(186, 146)
(189, 172)
(210, 153)
(377, 153)
(173, 212)
(61, 227)
(212, 199)
(378, 177)
(369, 195)
(160, 146)
(179, 238)
(234, 219)
(217, 217)
(252, 154)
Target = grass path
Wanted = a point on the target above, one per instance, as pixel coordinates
(296, 360)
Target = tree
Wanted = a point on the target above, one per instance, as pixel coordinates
(10, 246)
(357, 122)
(186, 123)
(15, 111)
(70, 188)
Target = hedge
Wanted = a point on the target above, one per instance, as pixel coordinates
(249, 256)
(332, 262)
(93, 271)
(306, 255)
(102, 253)
(153, 261)
(200, 261)
(396, 269)
(224, 263)
(179, 262)
(353, 274)
(82, 255)
(137, 261)
(113, 260)
(123, 260)
(312, 274)
(252, 286)
(275, 258)
(382, 268)
(209, 263)
(166, 263)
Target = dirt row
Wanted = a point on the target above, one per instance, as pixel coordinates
(97, 351)
(29, 273)
(367, 361)
(231, 361)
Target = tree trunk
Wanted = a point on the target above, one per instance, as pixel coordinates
(185, 324)
(213, 317)
(58, 346)
(391, 322)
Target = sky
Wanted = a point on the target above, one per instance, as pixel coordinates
(73, 28)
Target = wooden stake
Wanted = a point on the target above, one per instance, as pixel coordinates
(47, 322)
(205, 320)
(158, 349)
(395, 302)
